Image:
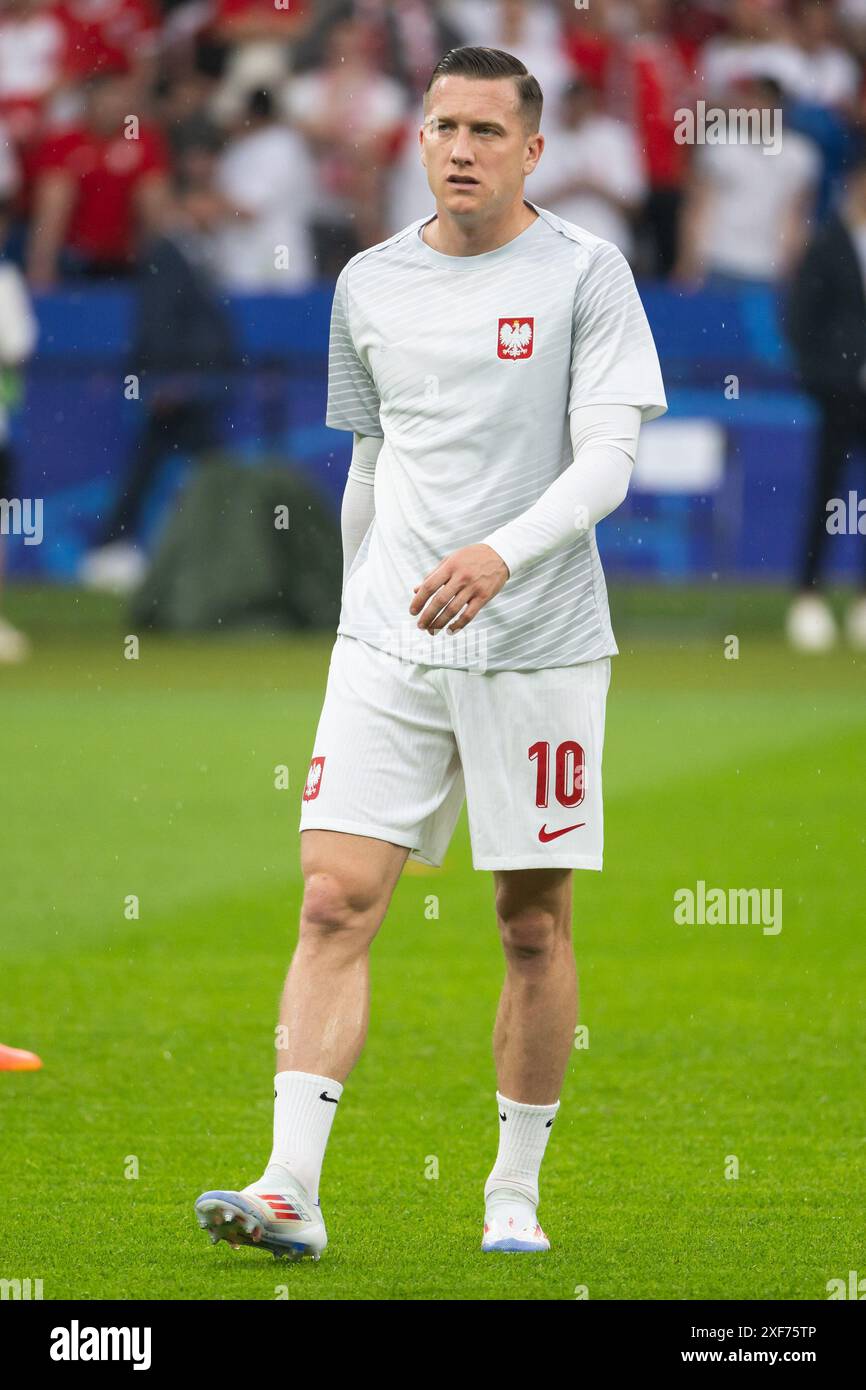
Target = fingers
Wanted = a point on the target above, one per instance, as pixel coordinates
(472, 607)
(435, 591)
(426, 589)
(441, 609)
(449, 614)
(452, 594)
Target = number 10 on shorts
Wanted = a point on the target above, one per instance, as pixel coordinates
(569, 766)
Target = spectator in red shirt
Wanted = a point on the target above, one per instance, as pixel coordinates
(241, 21)
(110, 36)
(649, 85)
(591, 41)
(97, 186)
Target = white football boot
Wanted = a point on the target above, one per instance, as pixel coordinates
(510, 1224)
(273, 1214)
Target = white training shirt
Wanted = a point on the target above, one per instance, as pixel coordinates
(468, 367)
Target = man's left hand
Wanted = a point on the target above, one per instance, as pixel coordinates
(465, 580)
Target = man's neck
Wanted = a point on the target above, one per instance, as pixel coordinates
(445, 234)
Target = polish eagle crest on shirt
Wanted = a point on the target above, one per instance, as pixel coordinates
(314, 779)
(516, 338)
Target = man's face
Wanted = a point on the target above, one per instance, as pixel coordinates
(475, 146)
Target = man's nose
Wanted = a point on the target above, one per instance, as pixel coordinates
(461, 150)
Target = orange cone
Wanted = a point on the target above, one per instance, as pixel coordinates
(15, 1059)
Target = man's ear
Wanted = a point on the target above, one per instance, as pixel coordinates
(535, 146)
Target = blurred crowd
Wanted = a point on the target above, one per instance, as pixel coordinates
(280, 135)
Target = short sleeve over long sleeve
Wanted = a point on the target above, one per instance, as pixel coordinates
(613, 357)
(353, 401)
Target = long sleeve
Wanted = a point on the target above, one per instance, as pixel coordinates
(604, 439)
(358, 507)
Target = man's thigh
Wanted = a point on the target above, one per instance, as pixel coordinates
(531, 745)
(385, 763)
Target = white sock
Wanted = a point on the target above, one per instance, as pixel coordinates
(302, 1124)
(523, 1134)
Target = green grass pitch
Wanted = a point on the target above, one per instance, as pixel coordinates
(156, 778)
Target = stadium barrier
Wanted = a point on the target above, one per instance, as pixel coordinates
(727, 373)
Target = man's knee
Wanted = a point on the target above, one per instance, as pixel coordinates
(534, 917)
(529, 933)
(340, 903)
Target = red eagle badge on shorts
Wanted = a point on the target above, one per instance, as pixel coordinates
(516, 337)
(314, 779)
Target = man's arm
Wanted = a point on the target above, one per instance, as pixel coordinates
(152, 201)
(697, 208)
(359, 505)
(795, 229)
(604, 439)
(52, 209)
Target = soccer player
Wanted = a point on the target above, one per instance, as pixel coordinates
(494, 364)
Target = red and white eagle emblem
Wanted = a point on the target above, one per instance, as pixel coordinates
(314, 779)
(516, 337)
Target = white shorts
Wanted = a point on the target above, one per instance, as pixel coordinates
(400, 745)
